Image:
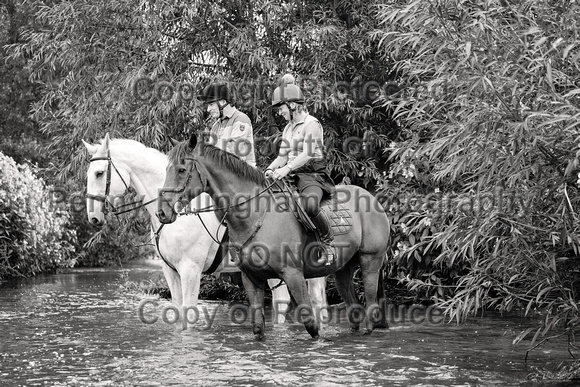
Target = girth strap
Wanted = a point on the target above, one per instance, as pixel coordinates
(220, 255)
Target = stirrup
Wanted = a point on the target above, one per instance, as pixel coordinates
(329, 253)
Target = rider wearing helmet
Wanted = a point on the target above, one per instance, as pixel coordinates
(232, 131)
(301, 156)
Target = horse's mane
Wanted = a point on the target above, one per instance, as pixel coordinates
(125, 142)
(218, 158)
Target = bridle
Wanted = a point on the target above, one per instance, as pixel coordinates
(108, 205)
(213, 207)
(204, 183)
(182, 188)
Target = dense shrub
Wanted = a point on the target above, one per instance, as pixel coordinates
(489, 99)
(34, 237)
(121, 239)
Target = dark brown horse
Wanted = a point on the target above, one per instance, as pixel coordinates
(268, 239)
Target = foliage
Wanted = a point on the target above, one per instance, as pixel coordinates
(564, 372)
(489, 98)
(16, 91)
(154, 286)
(34, 237)
(20, 137)
(121, 239)
(105, 67)
(223, 287)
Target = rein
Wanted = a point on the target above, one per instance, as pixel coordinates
(226, 209)
(212, 207)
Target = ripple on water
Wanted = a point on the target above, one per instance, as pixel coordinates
(76, 329)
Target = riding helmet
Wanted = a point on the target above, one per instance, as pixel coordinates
(214, 92)
(287, 92)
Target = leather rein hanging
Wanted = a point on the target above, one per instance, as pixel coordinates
(213, 207)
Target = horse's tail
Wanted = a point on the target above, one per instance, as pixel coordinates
(381, 286)
(382, 323)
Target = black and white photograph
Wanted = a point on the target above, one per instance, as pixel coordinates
(264, 193)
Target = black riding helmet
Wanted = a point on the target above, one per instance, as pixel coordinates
(214, 92)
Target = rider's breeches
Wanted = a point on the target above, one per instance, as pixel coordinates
(311, 197)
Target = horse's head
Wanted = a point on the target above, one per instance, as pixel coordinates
(105, 181)
(184, 180)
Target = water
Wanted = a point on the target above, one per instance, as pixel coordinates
(78, 329)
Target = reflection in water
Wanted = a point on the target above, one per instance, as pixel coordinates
(76, 329)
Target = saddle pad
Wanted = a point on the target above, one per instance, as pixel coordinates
(340, 218)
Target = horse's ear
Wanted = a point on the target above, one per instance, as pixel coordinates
(192, 141)
(90, 148)
(172, 141)
(106, 141)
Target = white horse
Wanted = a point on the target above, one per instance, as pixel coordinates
(187, 246)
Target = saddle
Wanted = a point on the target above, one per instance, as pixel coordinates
(340, 216)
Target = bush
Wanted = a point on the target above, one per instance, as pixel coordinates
(34, 237)
(490, 122)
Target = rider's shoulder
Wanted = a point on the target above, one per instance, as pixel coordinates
(242, 117)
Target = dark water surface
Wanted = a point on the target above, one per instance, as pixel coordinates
(78, 329)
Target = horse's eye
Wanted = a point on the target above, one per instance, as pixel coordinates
(181, 170)
(99, 174)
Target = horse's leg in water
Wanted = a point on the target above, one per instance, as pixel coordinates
(317, 291)
(280, 300)
(345, 287)
(190, 280)
(297, 286)
(256, 297)
(371, 266)
(174, 282)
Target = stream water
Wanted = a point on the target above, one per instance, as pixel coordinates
(79, 329)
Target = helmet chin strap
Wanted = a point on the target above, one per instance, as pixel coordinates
(290, 110)
(221, 108)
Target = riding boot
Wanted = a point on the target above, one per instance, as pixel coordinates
(322, 223)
